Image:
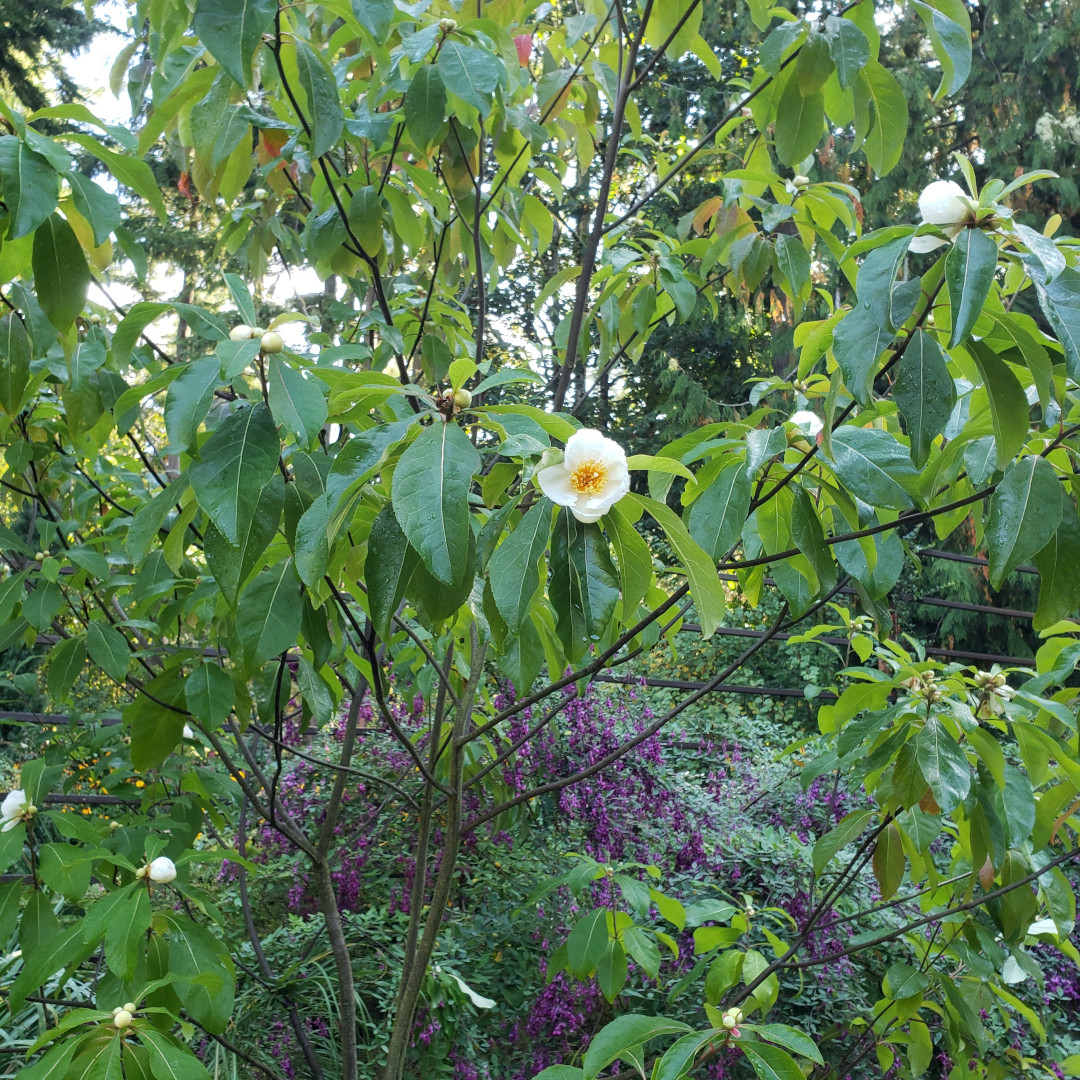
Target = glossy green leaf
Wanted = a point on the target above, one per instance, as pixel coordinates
(705, 586)
(611, 971)
(209, 694)
(587, 942)
(469, 73)
(888, 861)
(125, 932)
(366, 219)
(65, 665)
(943, 764)
(237, 462)
(323, 105)
(857, 343)
(951, 41)
(584, 586)
(425, 106)
(14, 363)
(623, 1033)
(298, 404)
(848, 47)
(101, 208)
(800, 121)
(390, 563)
(29, 185)
(924, 393)
(868, 462)
(770, 1062)
(885, 141)
(268, 613)
(515, 573)
(719, 512)
(1059, 583)
(188, 399)
(156, 718)
(1008, 403)
(849, 829)
(1025, 512)
(431, 496)
(232, 30)
(969, 273)
(1060, 301)
(231, 564)
(61, 276)
(108, 649)
(634, 559)
(170, 1060)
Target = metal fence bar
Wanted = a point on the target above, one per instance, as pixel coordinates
(726, 688)
(971, 560)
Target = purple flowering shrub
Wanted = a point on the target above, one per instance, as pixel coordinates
(717, 820)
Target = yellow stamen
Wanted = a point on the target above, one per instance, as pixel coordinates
(589, 477)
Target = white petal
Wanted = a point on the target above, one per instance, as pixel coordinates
(583, 513)
(162, 870)
(922, 244)
(943, 203)
(12, 806)
(9, 824)
(808, 421)
(583, 445)
(554, 482)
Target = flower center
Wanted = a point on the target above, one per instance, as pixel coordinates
(589, 477)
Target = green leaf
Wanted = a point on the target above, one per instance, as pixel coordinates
(14, 363)
(323, 105)
(867, 462)
(560, 1072)
(1059, 583)
(793, 262)
(885, 141)
(242, 298)
(943, 764)
(799, 122)
(857, 343)
(61, 276)
(366, 218)
(792, 1038)
(125, 932)
(587, 943)
(65, 664)
(1060, 301)
(770, 1062)
(298, 404)
(231, 30)
(705, 586)
(131, 326)
(1025, 511)
(237, 462)
(584, 587)
(156, 718)
(431, 496)
(231, 564)
(268, 614)
(129, 171)
(29, 185)
(209, 694)
(924, 393)
(515, 574)
(425, 106)
(188, 400)
(611, 971)
(391, 561)
(469, 73)
(888, 861)
(435, 601)
(55, 1064)
(1008, 403)
(634, 559)
(101, 208)
(849, 829)
(952, 44)
(969, 273)
(848, 48)
(623, 1033)
(108, 649)
(100, 1058)
(674, 1063)
(374, 16)
(168, 1059)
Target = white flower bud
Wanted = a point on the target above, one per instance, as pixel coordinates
(272, 342)
(240, 333)
(162, 870)
(941, 203)
(122, 1019)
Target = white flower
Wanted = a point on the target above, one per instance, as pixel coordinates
(162, 870)
(808, 421)
(188, 732)
(941, 203)
(592, 477)
(15, 808)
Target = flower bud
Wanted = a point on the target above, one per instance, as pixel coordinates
(240, 333)
(162, 870)
(95, 319)
(801, 181)
(261, 194)
(122, 1019)
(142, 872)
(732, 1017)
(131, 1007)
(462, 399)
(447, 26)
(271, 342)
